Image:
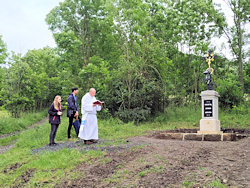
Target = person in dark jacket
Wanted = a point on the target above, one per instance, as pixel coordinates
(72, 110)
(55, 113)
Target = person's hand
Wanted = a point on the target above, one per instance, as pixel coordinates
(94, 104)
(76, 114)
(59, 113)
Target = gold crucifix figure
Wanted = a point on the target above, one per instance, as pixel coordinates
(209, 59)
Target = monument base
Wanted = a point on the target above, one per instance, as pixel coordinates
(210, 126)
(209, 132)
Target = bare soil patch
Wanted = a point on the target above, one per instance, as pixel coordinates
(12, 168)
(24, 178)
(167, 163)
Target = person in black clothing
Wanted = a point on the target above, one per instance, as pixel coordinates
(73, 109)
(55, 113)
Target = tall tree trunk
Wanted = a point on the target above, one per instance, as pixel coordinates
(240, 63)
(84, 53)
(236, 7)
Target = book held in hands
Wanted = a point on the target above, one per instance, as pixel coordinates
(98, 102)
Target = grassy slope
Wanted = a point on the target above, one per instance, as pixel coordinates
(49, 167)
(9, 124)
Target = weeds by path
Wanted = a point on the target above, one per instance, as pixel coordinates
(8, 140)
(42, 121)
(10, 125)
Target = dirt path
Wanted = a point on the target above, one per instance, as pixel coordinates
(167, 163)
(30, 127)
(8, 147)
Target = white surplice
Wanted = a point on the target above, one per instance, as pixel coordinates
(90, 130)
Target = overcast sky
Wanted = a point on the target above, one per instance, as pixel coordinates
(23, 26)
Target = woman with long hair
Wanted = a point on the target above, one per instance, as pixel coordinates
(55, 112)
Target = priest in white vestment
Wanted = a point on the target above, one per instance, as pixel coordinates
(89, 133)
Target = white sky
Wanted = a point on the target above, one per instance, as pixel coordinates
(23, 26)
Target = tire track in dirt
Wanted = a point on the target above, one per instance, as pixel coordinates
(4, 149)
(169, 163)
(93, 175)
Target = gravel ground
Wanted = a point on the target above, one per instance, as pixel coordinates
(103, 145)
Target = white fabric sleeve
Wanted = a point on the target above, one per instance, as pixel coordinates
(82, 109)
(87, 105)
(98, 108)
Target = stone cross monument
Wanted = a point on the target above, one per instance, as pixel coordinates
(210, 123)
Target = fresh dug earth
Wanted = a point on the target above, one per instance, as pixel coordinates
(167, 163)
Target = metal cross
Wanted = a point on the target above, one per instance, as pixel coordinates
(209, 59)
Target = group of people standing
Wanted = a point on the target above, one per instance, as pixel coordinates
(89, 125)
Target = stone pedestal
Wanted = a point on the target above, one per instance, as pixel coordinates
(210, 123)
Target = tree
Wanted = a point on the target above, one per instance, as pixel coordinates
(237, 34)
(44, 78)
(3, 51)
(77, 22)
(16, 82)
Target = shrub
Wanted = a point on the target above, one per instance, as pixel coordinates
(230, 92)
(135, 114)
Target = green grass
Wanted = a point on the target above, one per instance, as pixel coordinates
(217, 183)
(187, 183)
(189, 117)
(9, 124)
(4, 114)
(208, 173)
(8, 140)
(49, 167)
(231, 119)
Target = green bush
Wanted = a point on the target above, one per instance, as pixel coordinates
(137, 115)
(230, 92)
(240, 109)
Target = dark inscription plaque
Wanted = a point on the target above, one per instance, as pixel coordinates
(208, 108)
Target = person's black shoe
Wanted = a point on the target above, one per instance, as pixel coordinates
(50, 144)
(54, 143)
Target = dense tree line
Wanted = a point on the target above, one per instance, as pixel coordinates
(140, 55)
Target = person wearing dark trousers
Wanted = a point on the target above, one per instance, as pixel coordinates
(55, 113)
(72, 110)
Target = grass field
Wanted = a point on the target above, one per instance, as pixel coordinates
(49, 167)
(9, 124)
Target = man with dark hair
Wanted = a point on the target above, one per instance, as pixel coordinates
(72, 111)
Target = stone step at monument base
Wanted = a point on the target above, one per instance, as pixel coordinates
(209, 132)
(202, 136)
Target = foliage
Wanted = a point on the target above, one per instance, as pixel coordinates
(3, 51)
(237, 35)
(141, 56)
(31, 82)
(230, 92)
